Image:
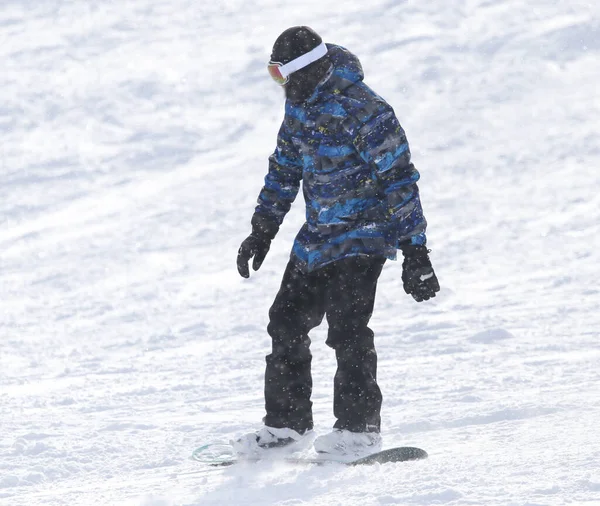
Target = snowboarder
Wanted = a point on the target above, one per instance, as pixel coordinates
(345, 144)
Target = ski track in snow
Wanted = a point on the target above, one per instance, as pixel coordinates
(134, 137)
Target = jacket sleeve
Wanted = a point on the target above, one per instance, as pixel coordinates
(382, 143)
(281, 185)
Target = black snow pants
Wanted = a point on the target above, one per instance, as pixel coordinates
(345, 292)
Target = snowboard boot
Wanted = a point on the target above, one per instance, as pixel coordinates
(344, 445)
(269, 438)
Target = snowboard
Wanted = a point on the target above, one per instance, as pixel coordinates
(217, 455)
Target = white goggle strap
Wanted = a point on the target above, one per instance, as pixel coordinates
(303, 60)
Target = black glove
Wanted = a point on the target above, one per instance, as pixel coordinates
(253, 246)
(256, 245)
(417, 273)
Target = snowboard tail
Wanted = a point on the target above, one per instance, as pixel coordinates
(399, 454)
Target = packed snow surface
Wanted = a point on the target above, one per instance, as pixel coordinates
(134, 137)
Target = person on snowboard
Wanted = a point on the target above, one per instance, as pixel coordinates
(345, 144)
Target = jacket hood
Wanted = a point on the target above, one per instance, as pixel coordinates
(346, 70)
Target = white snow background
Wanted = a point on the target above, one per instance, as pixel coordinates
(134, 138)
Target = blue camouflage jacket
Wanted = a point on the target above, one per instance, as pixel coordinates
(348, 149)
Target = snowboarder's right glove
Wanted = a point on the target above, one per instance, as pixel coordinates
(417, 273)
(256, 245)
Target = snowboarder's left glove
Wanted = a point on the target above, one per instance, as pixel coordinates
(256, 245)
(417, 273)
(253, 246)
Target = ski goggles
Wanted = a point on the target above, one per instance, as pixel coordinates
(281, 73)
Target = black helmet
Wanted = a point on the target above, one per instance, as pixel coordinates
(291, 44)
(294, 42)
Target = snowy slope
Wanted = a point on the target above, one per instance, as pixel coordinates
(133, 142)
